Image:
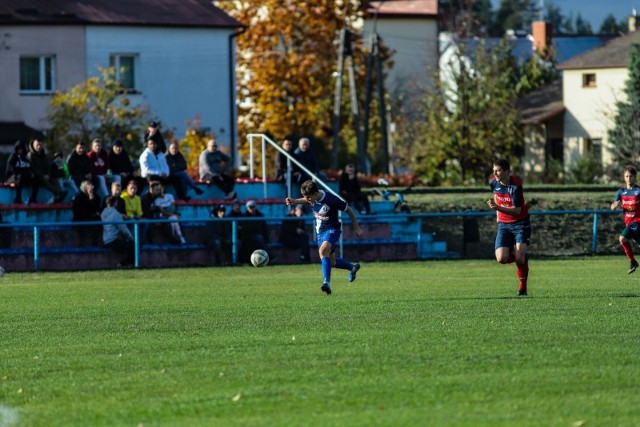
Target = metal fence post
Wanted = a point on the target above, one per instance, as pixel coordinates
(136, 240)
(36, 248)
(419, 239)
(594, 242)
(234, 242)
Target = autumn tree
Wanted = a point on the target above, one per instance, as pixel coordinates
(286, 64)
(624, 136)
(95, 108)
(470, 120)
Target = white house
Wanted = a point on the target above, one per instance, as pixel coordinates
(592, 83)
(174, 56)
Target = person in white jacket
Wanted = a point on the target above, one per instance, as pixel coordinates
(153, 164)
(115, 234)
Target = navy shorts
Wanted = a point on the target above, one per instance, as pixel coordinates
(332, 236)
(632, 232)
(510, 233)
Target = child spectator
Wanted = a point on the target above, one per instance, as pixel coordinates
(165, 203)
(60, 174)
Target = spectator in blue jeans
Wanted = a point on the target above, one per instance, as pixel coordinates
(178, 176)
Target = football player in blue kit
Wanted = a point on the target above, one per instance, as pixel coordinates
(514, 227)
(325, 207)
(628, 198)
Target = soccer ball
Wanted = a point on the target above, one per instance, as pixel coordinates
(259, 258)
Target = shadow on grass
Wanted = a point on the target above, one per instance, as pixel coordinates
(628, 296)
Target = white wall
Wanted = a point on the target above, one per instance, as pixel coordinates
(180, 72)
(415, 43)
(589, 110)
(67, 44)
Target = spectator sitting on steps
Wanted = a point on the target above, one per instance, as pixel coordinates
(19, 172)
(41, 169)
(213, 165)
(178, 175)
(116, 236)
(351, 192)
(79, 164)
(153, 163)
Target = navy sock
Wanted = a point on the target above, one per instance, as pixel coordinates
(343, 264)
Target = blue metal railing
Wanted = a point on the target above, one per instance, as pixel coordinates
(396, 218)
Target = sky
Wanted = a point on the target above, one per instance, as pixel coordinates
(592, 10)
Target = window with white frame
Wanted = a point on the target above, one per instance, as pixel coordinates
(37, 74)
(125, 67)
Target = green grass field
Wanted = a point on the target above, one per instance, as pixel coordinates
(407, 344)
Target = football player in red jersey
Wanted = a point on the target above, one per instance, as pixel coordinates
(628, 197)
(514, 227)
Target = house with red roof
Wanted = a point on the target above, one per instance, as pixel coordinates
(174, 56)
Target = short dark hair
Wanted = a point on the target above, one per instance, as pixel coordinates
(503, 163)
(633, 171)
(308, 188)
(110, 201)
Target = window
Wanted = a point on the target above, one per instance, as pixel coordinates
(594, 148)
(125, 70)
(37, 74)
(589, 80)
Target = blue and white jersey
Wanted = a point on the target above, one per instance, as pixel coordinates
(326, 212)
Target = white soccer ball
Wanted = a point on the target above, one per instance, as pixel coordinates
(259, 258)
(1, 271)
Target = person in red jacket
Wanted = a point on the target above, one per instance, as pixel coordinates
(514, 227)
(628, 198)
(99, 167)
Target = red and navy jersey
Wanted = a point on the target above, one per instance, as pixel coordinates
(630, 198)
(510, 196)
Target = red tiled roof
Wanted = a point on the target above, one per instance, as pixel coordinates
(180, 13)
(404, 8)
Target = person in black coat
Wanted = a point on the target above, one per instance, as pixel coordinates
(153, 132)
(282, 160)
(351, 191)
(178, 176)
(86, 204)
(19, 172)
(79, 164)
(120, 163)
(294, 235)
(254, 234)
(219, 236)
(42, 171)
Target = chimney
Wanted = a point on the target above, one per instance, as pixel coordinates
(632, 21)
(542, 34)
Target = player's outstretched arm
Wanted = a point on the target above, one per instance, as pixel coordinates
(354, 222)
(290, 201)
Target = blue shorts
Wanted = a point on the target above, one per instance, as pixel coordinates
(632, 232)
(513, 232)
(332, 236)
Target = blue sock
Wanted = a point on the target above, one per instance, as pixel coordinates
(343, 264)
(326, 269)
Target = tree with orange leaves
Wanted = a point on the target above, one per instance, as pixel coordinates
(286, 67)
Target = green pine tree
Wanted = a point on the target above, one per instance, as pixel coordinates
(624, 136)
